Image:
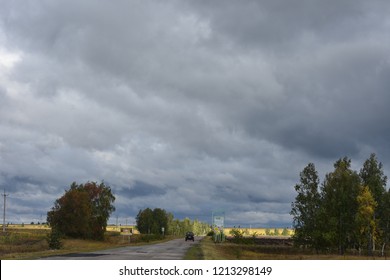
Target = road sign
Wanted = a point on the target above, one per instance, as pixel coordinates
(218, 219)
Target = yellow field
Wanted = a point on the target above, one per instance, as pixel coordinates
(121, 229)
(257, 231)
(27, 226)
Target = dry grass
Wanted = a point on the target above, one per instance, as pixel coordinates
(30, 243)
(208, 250)
(22, 241)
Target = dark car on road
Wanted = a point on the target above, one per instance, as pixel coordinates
(190, 236)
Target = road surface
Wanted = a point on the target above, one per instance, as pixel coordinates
(171, 250)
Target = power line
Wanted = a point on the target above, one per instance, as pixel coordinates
(5, 198)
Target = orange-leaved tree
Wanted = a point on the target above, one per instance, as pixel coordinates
(83, 211)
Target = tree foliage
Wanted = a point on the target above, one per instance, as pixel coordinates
(339, 194)
(83, 211)
(53, 238)
(384, 222)
(365, 219)
(145, 221)
(373, 177)
(351, 211)
(305, 209)
(152, 221)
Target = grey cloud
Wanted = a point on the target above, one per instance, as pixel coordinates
(190, 105)
(141, 189)
(278, 25)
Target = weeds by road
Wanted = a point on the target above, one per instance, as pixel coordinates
(208, 250)
(31, 244)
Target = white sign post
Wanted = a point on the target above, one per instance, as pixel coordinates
(218, 222)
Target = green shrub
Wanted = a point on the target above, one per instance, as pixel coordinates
(54, 240)
(237, 234)
(238, 237)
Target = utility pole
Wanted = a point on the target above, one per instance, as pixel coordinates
(5, 197)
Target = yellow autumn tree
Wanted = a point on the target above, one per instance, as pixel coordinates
(365, 219)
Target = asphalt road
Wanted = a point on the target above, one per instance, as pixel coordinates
(171, 250)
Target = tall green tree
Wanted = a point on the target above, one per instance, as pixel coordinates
(160, 224)
(385, 221)
(305, 209)
(339, 196)
(102, 200)
(152, 221)
(373, 177)
(171, 225)
(145, 221)
(83, 211)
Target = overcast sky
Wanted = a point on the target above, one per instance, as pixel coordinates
(190, 106)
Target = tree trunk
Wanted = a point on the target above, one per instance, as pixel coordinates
(383, 249)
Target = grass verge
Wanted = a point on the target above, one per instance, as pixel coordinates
(27, 244)
(194, 253)
(208, 250)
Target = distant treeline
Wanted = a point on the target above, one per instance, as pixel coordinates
(159, 221)
(348, 211)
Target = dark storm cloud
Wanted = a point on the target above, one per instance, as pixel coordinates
(283, 26)
(140, 189)
(331, 61)
(189, 105)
